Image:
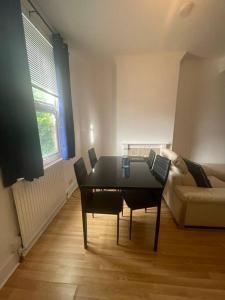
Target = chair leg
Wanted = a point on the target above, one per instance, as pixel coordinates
(122, 211)
(130, 224)
(84, 218)
(118, 232)
(145, 210)
(93, 215)
(157, 228)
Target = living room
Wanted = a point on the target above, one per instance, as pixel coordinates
(143, 75)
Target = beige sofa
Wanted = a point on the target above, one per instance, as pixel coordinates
(192, 205)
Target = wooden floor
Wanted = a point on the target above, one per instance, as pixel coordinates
(189, 264)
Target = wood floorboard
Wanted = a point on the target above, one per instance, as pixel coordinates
(189, 264)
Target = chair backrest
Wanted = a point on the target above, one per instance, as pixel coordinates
(80, 170)
(92, 157)
(151, 158)
(161, 168)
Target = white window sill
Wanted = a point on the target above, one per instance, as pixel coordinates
(51, 161)
(48, 163)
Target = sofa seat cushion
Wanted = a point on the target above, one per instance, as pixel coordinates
(198, 194)
(216, 182)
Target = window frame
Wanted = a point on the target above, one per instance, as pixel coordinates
(46, 107)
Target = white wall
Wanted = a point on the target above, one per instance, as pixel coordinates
(105, 80)
(8, 233)
(86, 97)
(93, 91)
(146, 97)
(199, 132)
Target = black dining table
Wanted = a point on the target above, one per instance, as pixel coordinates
(110, 173)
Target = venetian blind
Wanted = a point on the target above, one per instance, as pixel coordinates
(40, 58)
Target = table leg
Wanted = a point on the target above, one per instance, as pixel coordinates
(84, 219)
(118, 226)
(130, 229)
(157, 227)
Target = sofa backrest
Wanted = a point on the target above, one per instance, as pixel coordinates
(176, 160)
(179, 174)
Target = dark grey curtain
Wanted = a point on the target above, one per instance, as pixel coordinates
(20, 151)
(66, 125)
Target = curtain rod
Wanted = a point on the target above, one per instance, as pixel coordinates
(40, 16)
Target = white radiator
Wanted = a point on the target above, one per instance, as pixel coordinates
(37, 203)
(142, 149)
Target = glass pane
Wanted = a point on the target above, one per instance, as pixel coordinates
(41, 96)
(47, 132)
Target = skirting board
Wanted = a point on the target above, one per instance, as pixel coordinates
(8, 268)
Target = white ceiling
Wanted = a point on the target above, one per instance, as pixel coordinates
(131, 26)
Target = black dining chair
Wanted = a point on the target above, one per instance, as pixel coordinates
(92, 157)
(151, 158)
(139, 199)
(150, 162)
(102, 202)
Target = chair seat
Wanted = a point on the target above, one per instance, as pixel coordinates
(136, 199)
(105, 202)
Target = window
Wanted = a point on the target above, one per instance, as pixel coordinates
(46, 111)
(43, 79)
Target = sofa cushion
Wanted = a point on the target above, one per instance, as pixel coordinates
(216, 182)
(176, 160)
(198, 173)
(181, 165)
(181, 179)
(171, 155)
